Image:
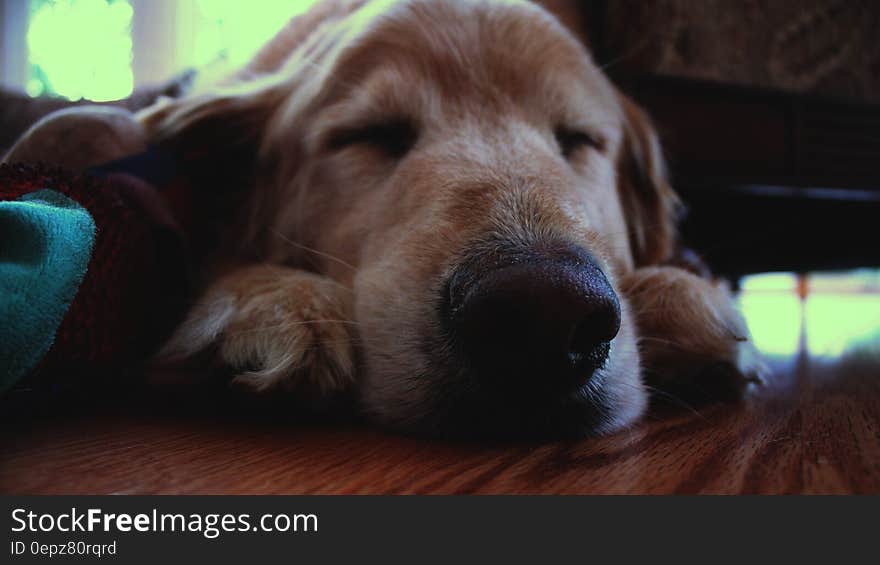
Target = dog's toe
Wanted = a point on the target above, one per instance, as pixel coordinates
(279, 329)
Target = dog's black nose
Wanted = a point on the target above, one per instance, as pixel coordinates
(543, 322)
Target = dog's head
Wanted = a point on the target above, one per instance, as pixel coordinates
(472, 176)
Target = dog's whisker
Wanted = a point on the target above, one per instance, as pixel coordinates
(667, 395)
(643, 311)
(312, 250)
(659, 340)
(288, 325)
(339, 285)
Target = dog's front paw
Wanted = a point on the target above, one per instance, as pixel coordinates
(278, 328)
(691, 333)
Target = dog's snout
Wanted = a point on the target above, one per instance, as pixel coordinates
(542, 322)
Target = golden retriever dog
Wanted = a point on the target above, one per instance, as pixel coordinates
(446, 209)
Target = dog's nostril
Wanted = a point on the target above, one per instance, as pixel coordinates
(590, 341)
(588, 349)
(546, 322)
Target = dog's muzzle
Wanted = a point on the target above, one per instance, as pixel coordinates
(538, 322)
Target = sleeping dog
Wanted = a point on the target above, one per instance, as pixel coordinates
(445, 208)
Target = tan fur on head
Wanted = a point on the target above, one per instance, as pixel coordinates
(356, 233)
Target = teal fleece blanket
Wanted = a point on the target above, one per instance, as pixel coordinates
(46, 241)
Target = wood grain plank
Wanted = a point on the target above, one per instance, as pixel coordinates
(814, 428)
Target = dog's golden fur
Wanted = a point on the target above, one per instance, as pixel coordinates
(329, 276)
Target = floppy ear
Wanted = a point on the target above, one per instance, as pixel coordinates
(218, 131)
(692, 339)
(214, 140)
(650, 205)
(219, 137)
(221, 129)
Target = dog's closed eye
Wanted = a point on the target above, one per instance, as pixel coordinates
(394, 137)
(572, 140)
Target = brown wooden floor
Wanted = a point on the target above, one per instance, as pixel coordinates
(814, 428)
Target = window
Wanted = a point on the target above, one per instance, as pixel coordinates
(231, 31)
(826, 313)
(103, 49)
(80, 49)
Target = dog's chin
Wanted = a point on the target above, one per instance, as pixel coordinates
(462, 404)
(465, 411)
(581, 414)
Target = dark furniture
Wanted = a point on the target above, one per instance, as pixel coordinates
(769, 111)
(773, 180)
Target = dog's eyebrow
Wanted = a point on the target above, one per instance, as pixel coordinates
(378, 99)
(580, 103)
(395, 135)
(571, 138)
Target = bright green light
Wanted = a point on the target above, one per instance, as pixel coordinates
(774, 320)
(836, 322)
(842, 311)
(769, 282)
(233, 30)
(81, 49)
